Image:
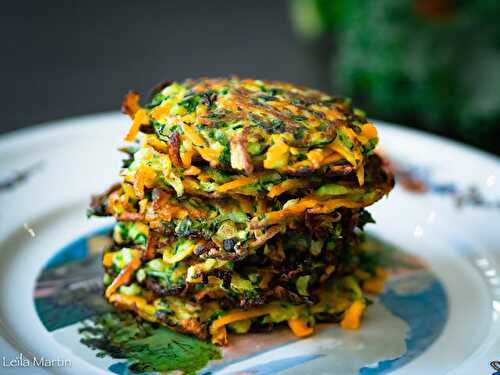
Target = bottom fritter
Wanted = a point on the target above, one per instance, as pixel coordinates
(208, 310)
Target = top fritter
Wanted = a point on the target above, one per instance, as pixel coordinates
(245, 126)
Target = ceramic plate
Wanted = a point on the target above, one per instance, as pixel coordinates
(438, 234)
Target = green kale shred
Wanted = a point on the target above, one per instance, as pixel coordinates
(370, 146)
(190, 102)
(345, 139)
(156, 101)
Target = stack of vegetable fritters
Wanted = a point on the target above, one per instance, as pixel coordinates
(241, 208)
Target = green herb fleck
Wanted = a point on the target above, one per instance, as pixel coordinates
(225, 155)
(298, 118)
(345, 139)
(156, 101)
(370, 146)
(190, 103)
(302, 284)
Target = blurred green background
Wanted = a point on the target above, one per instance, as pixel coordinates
(432, 64)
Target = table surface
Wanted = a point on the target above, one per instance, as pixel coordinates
(67, 58)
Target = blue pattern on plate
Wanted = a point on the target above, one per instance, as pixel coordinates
(273, 367)
(426, 313)
(75, 250)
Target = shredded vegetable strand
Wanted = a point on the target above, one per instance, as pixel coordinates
(124, 275)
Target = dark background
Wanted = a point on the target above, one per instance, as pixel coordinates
(67, 58)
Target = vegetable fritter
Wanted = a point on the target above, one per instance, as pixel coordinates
(250, 125)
